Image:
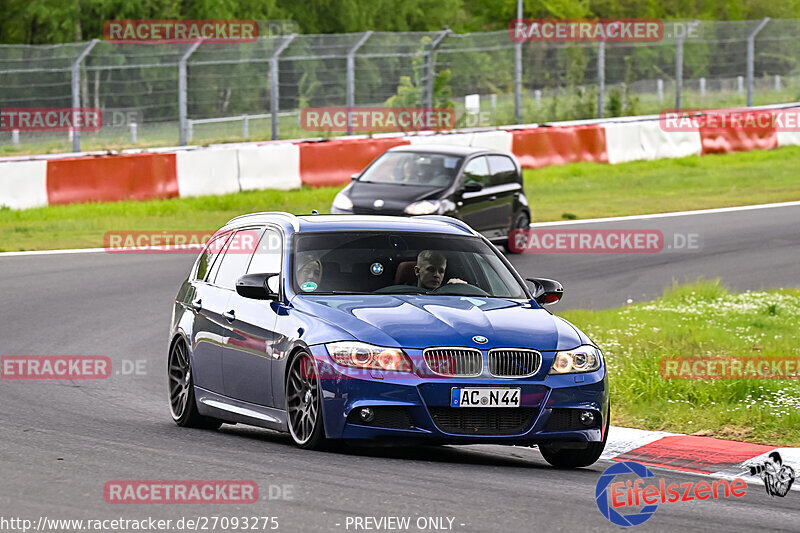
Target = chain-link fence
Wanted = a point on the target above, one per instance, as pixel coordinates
(155, 94)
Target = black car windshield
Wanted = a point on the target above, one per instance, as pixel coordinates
(413, 168)
(384, 262)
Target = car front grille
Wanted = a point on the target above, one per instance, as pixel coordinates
(462, 362)
(514, 362)
(482, 420)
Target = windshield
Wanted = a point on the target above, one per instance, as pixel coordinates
(410, 168)
(400, 263)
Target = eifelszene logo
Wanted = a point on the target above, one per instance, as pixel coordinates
(642, 500)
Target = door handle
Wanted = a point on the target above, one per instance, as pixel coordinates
(197, 304)
(230, 316)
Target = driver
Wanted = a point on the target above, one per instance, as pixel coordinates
(430, 270)
(408, 171)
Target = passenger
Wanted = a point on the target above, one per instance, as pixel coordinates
(430, 270)
(309, 271)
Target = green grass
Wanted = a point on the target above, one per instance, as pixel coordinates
(701, 319)
(582, 190)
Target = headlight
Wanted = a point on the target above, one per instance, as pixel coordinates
(362, 355)
(342, 202)
(425, 207)
(581, 359)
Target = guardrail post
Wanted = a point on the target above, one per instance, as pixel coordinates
(189, 129)
(15, 137)
(245, 126)
(601, 77)
(274, 90)
(351, 76)
(751, 53)
(434, 45)
(660, 90)
(76, 96)
(183, 135)
(679, 63)
(133, 128)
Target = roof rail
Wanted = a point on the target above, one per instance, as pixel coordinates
(287, 216)
(450, 220)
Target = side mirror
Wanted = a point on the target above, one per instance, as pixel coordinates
(355, 176)
(255, 287)
(546, 291)
(472, 186)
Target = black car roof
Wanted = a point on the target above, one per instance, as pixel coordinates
(447, 149)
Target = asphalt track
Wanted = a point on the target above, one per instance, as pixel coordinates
(61, 441)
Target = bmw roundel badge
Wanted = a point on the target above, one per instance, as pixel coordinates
(480, 339)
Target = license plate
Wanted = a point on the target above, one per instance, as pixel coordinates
(462, 397)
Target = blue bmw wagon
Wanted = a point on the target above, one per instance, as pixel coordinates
(342, 327)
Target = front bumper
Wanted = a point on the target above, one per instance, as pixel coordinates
(410, 407)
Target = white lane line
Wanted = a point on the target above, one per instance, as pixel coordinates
(665, 215)
(533, 225)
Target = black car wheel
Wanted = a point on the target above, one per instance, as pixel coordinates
(521, 221)
(304, 402)
(182, 404)
(566, 458)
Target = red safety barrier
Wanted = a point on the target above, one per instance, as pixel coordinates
(111, 178)
(541, 147)
(331, 163)
(749, 134)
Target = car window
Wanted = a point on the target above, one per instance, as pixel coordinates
(477, 170)
(237, 255)
(503, 170)
(384, 262)
(413, 168)
(268, 258)
(206, 261)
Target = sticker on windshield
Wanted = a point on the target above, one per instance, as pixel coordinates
(309, 286)
(376, 269)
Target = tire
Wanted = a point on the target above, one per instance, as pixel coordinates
(521, 221)
(304, 403)
(182, 403)
(577, 458)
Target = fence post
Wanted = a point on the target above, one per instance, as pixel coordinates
(679, 63)
(351, 76)
(518, 71)
(601, 77)
(660, 90)
(274, 92)
(751, 52)
(76, 96)
(183, 136)
(133, 127)
(245, 126)
(434, 45)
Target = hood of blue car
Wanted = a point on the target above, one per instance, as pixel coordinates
(421, 321)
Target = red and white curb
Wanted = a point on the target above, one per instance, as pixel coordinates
(705, 456)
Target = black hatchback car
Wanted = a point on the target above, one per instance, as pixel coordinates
(480, 186)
